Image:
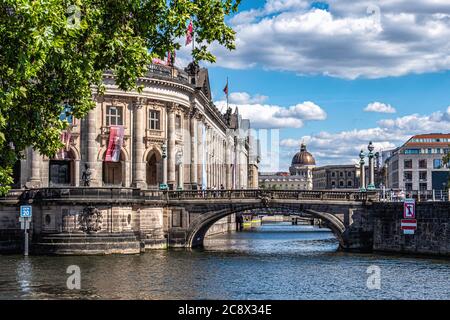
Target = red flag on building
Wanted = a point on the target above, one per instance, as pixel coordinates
(189, 32)
(115, 144)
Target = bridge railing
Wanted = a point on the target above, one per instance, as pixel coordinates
(117, 193)
(80, 193)
(274, 194)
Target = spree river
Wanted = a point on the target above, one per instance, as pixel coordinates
(276, 261)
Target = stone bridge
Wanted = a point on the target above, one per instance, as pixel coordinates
(174, 218)
(134, 220)
(345, 213)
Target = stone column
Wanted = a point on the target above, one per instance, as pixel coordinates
(171, 152)
(35, 176)
(92, 148)
(362, 173)
(228, 178)
(179, 163)
(139, 147)
(194, 159)
(200, 154)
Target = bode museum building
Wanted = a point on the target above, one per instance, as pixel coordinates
(170, 135)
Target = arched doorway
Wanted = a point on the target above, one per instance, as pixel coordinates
(154, 170)
(113, 172)
(62, 169)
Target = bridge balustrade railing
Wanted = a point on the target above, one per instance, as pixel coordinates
(82, 193)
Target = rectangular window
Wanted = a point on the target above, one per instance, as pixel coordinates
(408, 164)
(422, 164)
(407, 175)
(412, 151)
(178, 123)
(408, 186)
(154, 120)
(423, 187)
(114, 116)
(423, 175)
(437, 163)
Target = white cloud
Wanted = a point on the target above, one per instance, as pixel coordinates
(380, 108)
(348, 42)
(307, 111)
(267, 116)
(245, 98)
(344, 147)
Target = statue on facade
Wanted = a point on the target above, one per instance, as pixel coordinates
(227, 116)
(90, 220)
(87, 176)
(192, 69)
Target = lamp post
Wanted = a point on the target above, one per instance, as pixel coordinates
(362, 171)
(163, 185)
(371, 156)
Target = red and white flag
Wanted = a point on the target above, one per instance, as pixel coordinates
(115, 144)
(189, 33)
(63, 154)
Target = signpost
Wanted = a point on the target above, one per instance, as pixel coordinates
(409, 222)
(26, 213)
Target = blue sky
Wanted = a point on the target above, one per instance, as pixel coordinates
(362, 70)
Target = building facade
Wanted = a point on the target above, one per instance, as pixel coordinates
(336, 177)
(300, 176)
(418, 164)
(169, 135)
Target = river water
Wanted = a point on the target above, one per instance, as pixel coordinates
(276, 261)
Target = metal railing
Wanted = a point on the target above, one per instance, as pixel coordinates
(167, 72)
(419, 196)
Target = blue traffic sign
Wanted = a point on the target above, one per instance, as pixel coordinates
(26, 211)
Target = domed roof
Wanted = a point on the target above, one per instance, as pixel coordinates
(303, 158)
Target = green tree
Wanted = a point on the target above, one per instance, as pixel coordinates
(54, 52)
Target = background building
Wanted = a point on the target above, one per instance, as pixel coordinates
(300, 176)
(336, 177)
(169, 134)
(418, 164)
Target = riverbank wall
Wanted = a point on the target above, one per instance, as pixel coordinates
(432, 236)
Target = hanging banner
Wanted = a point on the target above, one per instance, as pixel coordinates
(116, 134)
(63, 154)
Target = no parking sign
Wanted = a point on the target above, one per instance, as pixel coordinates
(409, 211)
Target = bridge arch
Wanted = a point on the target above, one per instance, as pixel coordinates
(198, 228)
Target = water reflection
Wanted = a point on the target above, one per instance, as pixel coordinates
(273, 262)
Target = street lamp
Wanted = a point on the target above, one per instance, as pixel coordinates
(163, 185)
(362, 171)
(371, 156)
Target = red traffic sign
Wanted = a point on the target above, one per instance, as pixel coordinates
(409, 211)
(409, 224)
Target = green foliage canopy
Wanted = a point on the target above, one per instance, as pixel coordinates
(54, 52)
